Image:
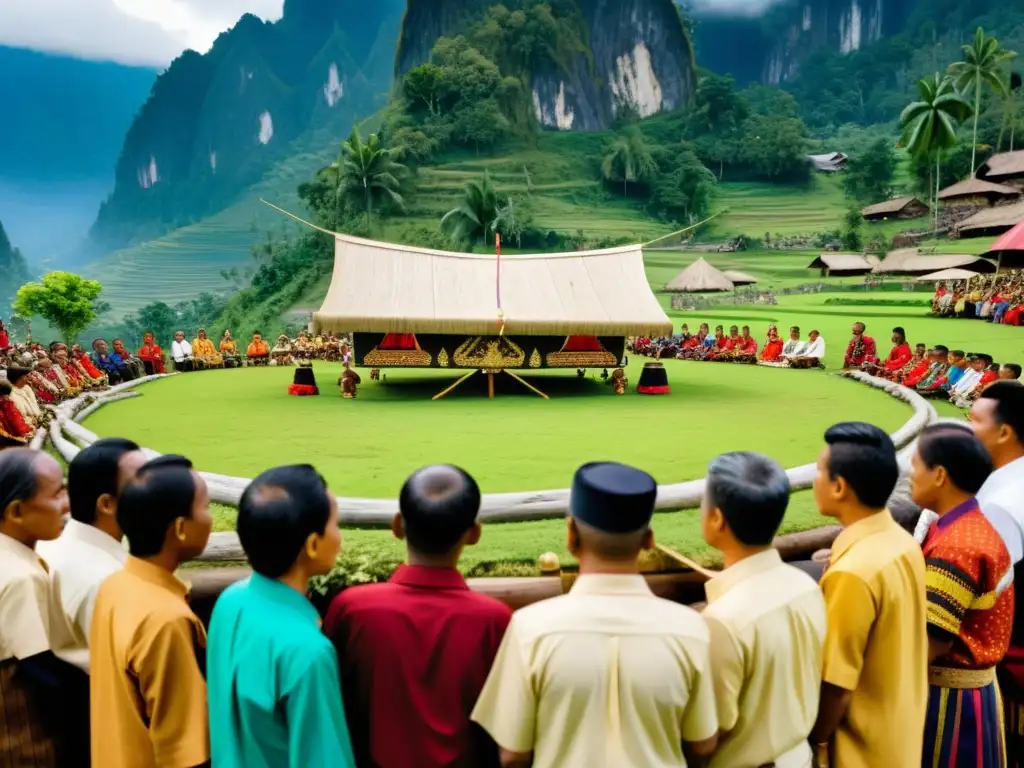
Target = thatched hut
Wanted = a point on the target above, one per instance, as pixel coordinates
(843, 264)
(700, 277)
(908, 207)
(1004, 168)
(992, 221)
(830, 162)
(740, 278)
(977, 193)
(909, 262)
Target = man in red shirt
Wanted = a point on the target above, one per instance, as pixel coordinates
(415, 652)
(861, 350)
(899, 358)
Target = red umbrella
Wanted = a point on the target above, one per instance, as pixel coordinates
(1008, 250)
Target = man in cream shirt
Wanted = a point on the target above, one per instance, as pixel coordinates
(766, 620)
(90, 548)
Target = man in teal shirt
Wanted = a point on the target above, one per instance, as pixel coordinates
(274, 692)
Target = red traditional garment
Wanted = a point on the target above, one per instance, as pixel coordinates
(913, 378)
(898, 358)
(576, 344)
(694, 342)
(86, 363)
(399, 341)
(11, 420)
(969, 583)
(5, 340)
(151, 353)
(732, 343)
(721, 342)
(986, 378)
(1014, 315)
(772, 351)
(860, 350)
(72, 374)
(43, 394)
(748, 346)
(51, 376)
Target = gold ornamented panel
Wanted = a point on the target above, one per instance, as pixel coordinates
(442, 358)
(489, 352)
(535, 361)
(405, 357)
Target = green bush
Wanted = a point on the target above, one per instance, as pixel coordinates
(847, 302)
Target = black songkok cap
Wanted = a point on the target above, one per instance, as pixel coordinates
(13, 374)
(613, 498)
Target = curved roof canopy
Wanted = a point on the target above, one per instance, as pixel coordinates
(739, 278)
(700, 277)
(947, 274)
(1008, 250)
(386, 288)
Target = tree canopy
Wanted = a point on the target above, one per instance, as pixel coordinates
(67, 301)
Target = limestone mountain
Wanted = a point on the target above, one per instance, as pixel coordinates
(214, 123)
(13, 272)
(636, 53)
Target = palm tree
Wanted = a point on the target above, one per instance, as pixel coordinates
(981, 64)
(628, 158)
(475, 215)
(365, 172)
(930, 125)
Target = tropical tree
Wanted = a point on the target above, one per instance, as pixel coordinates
(68, 301)
(365, 173)
(628, 159)
(982, 64)
(929, 125)
(476, 214)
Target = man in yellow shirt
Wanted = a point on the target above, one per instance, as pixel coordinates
(608, 674)
(874, 692)
(205, 353)
(766, 619)
(147, 692)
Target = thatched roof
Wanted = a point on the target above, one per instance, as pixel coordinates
(739, 278)
(947, 274)
(699, 277)
(992, 220)
(1005, 165)
(908, 262)
(978, 188)
(891, 206)
(830, 162)
(853, 263)
(385, 288)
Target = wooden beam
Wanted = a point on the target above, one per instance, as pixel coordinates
(445, 391)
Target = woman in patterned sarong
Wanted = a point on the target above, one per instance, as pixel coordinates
(969, 582)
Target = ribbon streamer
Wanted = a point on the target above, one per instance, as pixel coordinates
(497, 284)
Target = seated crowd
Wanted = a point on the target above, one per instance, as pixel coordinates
(201, 353)
(736, 347)
(998, 301)
(890, 661)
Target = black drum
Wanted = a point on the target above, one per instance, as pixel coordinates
(653, 380)
(304, 382)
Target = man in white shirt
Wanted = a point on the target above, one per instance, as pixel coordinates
(90, 549)
(970, 378)
(813, 354)
(794, 347)
(181, 352)
(997, 418)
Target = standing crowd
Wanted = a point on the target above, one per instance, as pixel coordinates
(907, 653)
(997, 300)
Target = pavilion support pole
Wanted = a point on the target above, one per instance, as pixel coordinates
(527, 384)
(490, 385)
(446, 390)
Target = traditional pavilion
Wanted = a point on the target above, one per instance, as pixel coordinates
(418, 308)
(908, 261)
(844, 264)
(977, 193)
(947, 274)
(992, 221)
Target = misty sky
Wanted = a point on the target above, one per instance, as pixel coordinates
(154, 32)
(147, 32)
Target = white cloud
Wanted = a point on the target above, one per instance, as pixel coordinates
(733, 7)
(149, 32)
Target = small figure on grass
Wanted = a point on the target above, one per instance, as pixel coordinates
(349, 382)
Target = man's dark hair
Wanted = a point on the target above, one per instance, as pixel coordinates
(863, 326)
(93, 473)
(752, 491)
(987, 358)
(794, 328)
(1009, 397)
(746, 328)
(18, 480)
(161, 492)
(954, 447)
(719, 328)
(733, 328)
(899, 330)
(865, 457)
(922, 346)
(5, 387)
(438, 505)
(1014, 369)
(957, 353)
(276, 515)
(942, 349)
(814, 330)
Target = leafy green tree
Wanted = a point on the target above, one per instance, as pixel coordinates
(869, 175)
(481, 123)
(67, 301)
(775, 148)
(365, 173)
(425, 84)
(628, 159)
(513, 219)
(684, 186)
(983, 60)
(852, 221)
(159, 318)
(929, 125)
(473, 219)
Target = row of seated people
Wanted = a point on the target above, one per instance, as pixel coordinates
(1001, 302)
(939, 372)
(891, 661)
(201, 354)
(736, 347)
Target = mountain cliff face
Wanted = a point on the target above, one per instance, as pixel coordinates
(771, 47)
(638, 54)
(214, 123)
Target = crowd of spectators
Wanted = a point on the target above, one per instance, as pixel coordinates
(999, 300)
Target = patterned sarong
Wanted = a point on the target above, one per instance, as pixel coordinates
(964, 728)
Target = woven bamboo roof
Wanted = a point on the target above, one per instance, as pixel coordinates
(699, 277)
(1003, 165)
(1000, 217)
(907, 261)
(978, 188)
(890, 206)
(739, 278)
(843, 262)
(385, 288)
(947, 274)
